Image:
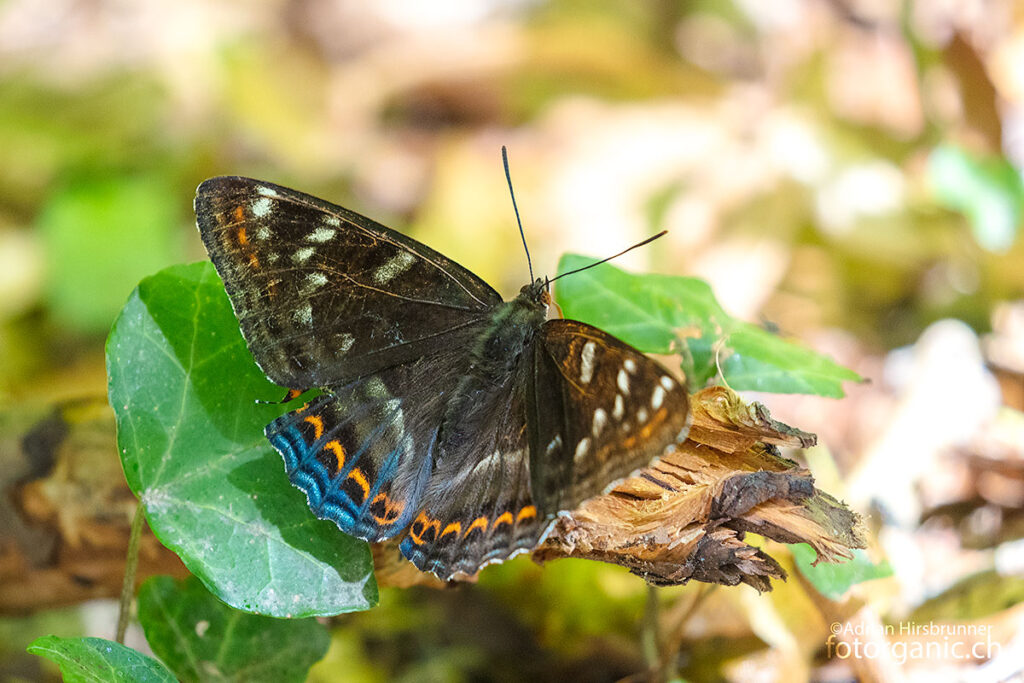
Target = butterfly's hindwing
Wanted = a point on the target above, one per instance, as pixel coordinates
(362, 453)
(600, 410)
(477, 507)
(324, 295)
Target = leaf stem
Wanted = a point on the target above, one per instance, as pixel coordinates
(131, 566)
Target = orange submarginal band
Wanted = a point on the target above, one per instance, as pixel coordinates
(339, 454)
(526, 513)
(392, 509)
(478, 523)
(503, 518)
(359, 478)
(453, 528)
(424, 523)
(318, 425)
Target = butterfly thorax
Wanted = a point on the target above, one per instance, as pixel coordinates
(512, 328)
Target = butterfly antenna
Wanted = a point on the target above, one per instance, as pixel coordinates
(605, 260)
(508, 177)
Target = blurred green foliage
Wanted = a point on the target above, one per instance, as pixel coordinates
(988, 191)
(102, 235)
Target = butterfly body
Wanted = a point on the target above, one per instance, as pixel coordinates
(464, 422)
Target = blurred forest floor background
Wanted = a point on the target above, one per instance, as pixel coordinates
(846, 172)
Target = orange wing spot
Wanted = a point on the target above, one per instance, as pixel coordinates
(318, 425)
(358, 477)
(253, 261)
(526, 513)
(453, 528)
(424, 523)
(478, 523)
(655, 421)
(292, 395)
(339, 453)
(302, 408)
(503, 518)
(243, 238)
(239, 213)
(392, 509)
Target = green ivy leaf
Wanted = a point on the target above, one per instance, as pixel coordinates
(833, 580)
(986, 190)
(183, 387)
(201, 638)
(662, 313)
(95, 660)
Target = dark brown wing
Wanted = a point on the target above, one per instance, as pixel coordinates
(599, 410)
(477, 507)
(324, 295)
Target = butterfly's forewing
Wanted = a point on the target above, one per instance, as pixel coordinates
(599, 409)
(477, 507)
(324, 295)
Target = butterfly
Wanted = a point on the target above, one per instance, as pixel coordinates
(462, 421)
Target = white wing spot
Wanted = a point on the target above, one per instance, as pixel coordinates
(302, 255)
(332, 221)
(600, 419)
(345, 342)
(587, 362)
(582, 447)
(304, 315)
(641, 415)
(657, 396)
(630, 365)
(623, 381)
(620, 407)
(491, 460)
(667, 383)
(314, 281)
(375, 387)
(394, 266)
(554, 444)
(321, 235)
(261, 207)
(263, 233)
(268, 192)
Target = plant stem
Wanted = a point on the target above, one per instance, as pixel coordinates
(651, 639)
(131, 566)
